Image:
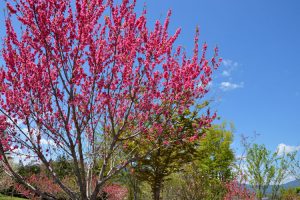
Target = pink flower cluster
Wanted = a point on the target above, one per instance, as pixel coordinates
(238, 191)
(115, 192)
(5, 137)
(67, 69)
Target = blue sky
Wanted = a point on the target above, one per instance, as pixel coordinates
(260, 43)
(258, 85)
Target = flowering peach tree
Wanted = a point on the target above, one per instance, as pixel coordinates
(83, 77)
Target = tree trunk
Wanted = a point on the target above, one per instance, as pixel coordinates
(135, 191)
(156, 190)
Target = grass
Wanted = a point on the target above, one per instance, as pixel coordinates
(3, 197)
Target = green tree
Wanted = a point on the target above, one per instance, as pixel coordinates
(214, 154)
(63, 166)
(204, 178)
(167, 156)
(29, 169)
(296, 165)
(134, 186)
(164, 161)
(264, 168)
(283, 167)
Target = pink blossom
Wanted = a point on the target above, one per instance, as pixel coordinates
(76, 76)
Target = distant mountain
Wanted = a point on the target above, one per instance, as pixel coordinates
(291, 184)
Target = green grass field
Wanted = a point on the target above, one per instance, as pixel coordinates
(2, 197)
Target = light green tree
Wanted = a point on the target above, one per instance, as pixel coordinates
(296, 165)
(265, 169)
(283, 169)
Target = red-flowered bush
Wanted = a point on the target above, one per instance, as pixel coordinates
(238, 191)
(115, 192)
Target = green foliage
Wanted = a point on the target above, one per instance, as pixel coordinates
(134, 186)
(283, 168)
(204, 178)
(265, 168)
(3, 197)
(214, 154)
(62, 167)
(290, 194)
(167, 155)
(28, 170)
(260, 168)
(296, 166)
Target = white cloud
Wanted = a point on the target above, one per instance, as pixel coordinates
(284, 149)
(20, 155)
(226, 73)
(289, 178)
(229, 66)
(226, 86)
(229, 63)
